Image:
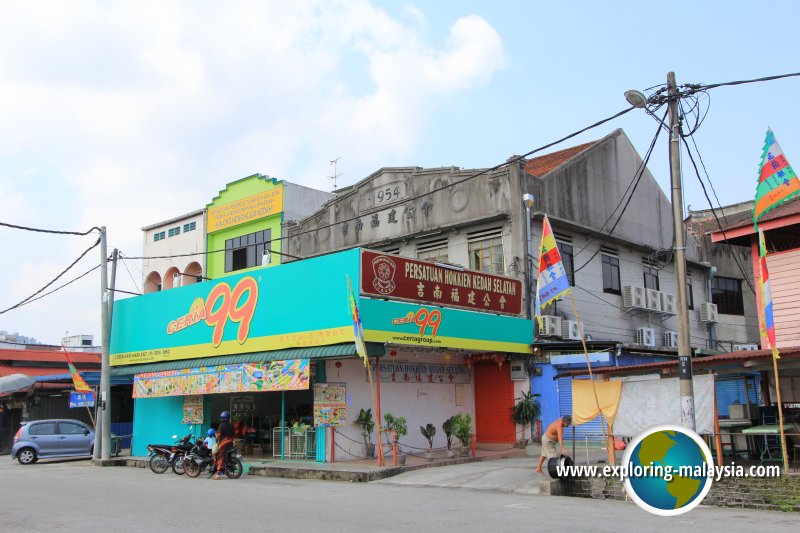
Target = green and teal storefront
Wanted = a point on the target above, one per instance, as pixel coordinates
(276, 347)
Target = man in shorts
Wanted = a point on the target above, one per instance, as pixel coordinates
(554, 435)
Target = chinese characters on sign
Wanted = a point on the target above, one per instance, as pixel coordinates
(391, 276)
(330, 404)
(422, 373)
(248, 377)
(81, 399)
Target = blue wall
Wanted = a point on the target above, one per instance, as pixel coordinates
(155, 420)
(546, 386)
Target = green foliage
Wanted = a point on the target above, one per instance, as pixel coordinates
(447, 427)
(527, 410)
(367, 424)
(428, 432)
(462, 428)
(396, 424)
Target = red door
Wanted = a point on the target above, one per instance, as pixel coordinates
(494, 399)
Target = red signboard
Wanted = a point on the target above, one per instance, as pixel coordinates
(395, 277)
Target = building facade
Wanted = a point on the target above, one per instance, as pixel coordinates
(174, 252)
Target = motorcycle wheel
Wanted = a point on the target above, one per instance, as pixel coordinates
(192, 467)
(178, 463)
(158, 463)
(234, 469)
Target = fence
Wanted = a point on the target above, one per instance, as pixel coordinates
(297, 444)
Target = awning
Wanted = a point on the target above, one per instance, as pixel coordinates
(315, 352)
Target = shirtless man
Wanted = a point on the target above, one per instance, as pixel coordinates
(553, 435)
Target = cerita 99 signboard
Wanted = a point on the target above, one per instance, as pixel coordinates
(395, 277)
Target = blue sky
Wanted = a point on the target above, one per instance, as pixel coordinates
(127, 113)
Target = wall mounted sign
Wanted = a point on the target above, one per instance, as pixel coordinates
(81, 399)
(422, 373)
(192, 409)
(240, 211)
(396, 277)
(330, 404)
(292, 374)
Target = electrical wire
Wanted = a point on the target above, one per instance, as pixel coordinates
(742, 82)
(51, 231)
(29, 298)
(70, 282)
(122, 259)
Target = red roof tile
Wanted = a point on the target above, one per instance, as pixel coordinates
(7, 370)
(539, 166)
(792, 207)
(49, 357)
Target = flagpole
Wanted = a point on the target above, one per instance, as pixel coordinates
(589, 365)
(780, 414)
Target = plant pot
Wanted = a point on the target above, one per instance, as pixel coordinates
(370, 449)
(401, 460)
(429, 456)
(464, 451)
(451, 453)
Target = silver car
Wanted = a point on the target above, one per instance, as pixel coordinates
(53, 438)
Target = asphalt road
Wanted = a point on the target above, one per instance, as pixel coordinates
(69, 496)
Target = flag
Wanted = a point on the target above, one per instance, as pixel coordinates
(77, 379)
(552, 281)
(767, 321)
(777, 182)
(358, 330)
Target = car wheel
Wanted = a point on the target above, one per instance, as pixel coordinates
(158, 463)
(27, 456)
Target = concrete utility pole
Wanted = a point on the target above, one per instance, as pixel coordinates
(527, 200)
(684, 342)
(105, 377)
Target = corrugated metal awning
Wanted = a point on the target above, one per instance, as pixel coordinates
(315, 352)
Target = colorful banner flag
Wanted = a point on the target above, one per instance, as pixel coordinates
(767, 321)
(358, 330)
(777, 182)
(77, 379)
(552, 280)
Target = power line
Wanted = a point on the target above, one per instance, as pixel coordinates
(742, 82)
(62, 286)
(29, 298)
(122, 259)
(55, 232)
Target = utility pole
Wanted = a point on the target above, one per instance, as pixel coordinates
(527, 200)
(105, 378)
(684, 343)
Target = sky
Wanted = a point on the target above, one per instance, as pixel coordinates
(123, 114)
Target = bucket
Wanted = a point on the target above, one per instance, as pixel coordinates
(554, 462)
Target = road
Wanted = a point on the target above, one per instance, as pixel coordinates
(70, 496)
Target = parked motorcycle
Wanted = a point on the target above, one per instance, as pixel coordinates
(162, 456)
(200, 458)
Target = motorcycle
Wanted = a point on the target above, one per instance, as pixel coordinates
(162, 456)
(200, 458)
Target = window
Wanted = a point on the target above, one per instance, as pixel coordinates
(68, 428)
(486, 251)
(174, 231)
(86, 342)
(650, 277)
(191, 226)
(727, 294)
(610, 274)
(433, 251)
(248, 251)
(689, 294)
(43, 428)
(158, 236)
(568, 260)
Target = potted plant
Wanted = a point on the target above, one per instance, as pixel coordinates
(525, 413)
(462, 429)
(447, 427)
(428, 431)
(367, 424)
(397, 425)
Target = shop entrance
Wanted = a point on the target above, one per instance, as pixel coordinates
(256, 415)
(494, 399)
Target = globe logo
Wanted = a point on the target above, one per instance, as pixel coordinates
(668, 469)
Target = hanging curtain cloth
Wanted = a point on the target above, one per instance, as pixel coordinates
(584, 404)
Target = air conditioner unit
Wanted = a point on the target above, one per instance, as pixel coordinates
(176, 279)
(550, 326)
(708, 312)
(671, 339)
(633, 296)
(653, 300)
(668, 303)
(646, 336)
(518, 371)
(570, 330)
(745, 347)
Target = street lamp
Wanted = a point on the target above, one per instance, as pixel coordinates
(527, 201)
(637, 99)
